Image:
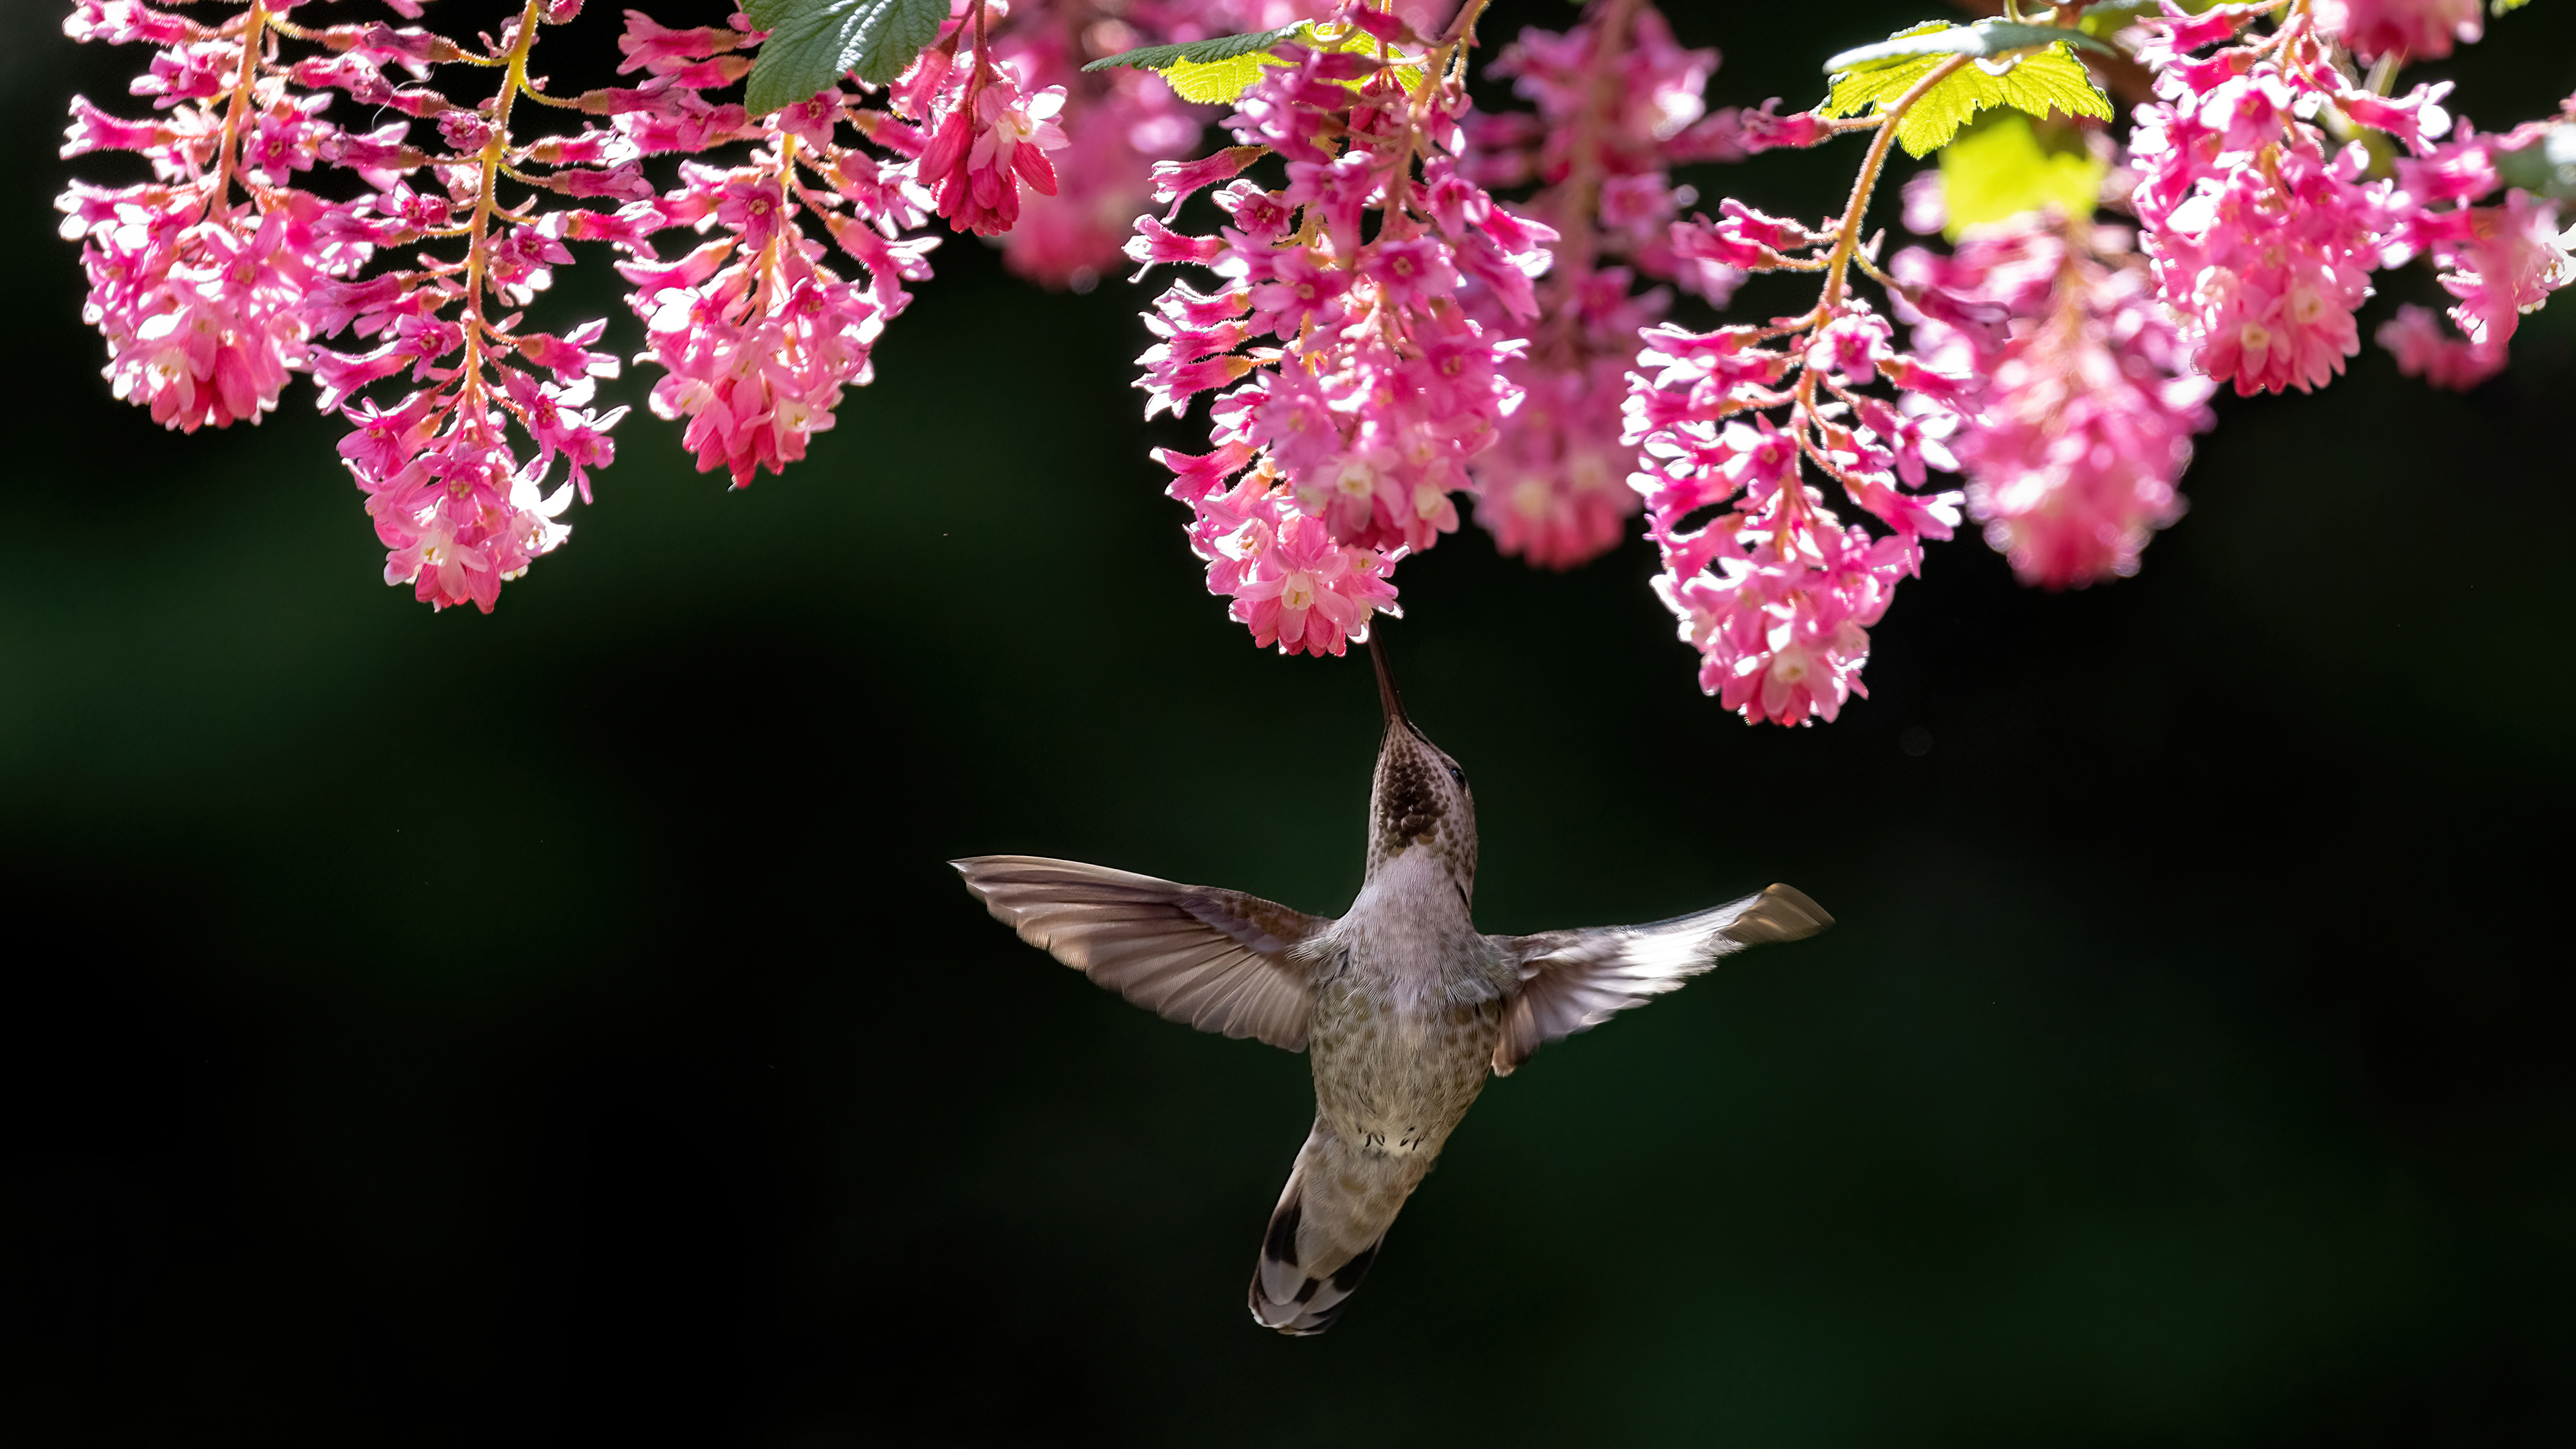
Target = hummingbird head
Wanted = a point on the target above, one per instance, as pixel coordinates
(1419, 800)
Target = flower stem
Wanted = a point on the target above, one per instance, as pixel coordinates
(477, 253)
(1847, 237)
(254, 26)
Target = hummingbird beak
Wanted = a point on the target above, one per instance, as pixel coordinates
(1388, 700)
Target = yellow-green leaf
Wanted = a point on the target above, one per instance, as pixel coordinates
(1217, 82)
(1408, 68)
(1999, 168)
(1219, 71)
(2034, 82)
(2503, 6)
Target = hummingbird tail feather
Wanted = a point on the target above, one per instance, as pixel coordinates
(1326, 1231)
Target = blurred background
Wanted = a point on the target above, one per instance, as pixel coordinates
(561, 1025)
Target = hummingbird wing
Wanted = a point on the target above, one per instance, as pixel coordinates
(1217, 959)
(1575, 980)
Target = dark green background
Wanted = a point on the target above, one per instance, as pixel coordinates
(428, 1029)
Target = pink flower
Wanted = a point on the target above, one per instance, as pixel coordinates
(1765, 130)
(1357, 426)
(201, 312)
(2422, 349)
(1408, 273)
(2085, 421)
(1775, 591)
(1308, 594)
(2260, 236)
(990, 140)
(1554, 489)
(2413, 29)
(2505, 262)
(1301, 288)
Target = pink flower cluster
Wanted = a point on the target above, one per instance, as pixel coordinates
(2498, 261)
(1617, 102)
(2264, 233)
(1773, 588)
(989, 135)
(2403, 29)
(2085, 411)
(199, 290)
(1356, 385)
(1117, 123)
(213, 282)
(756, 336)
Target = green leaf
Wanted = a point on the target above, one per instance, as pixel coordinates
(1197, 52)
(813, 43)
(2035, 82)
(1219, 70)
(1218, 81)
(2000, 167)
(2502, 7)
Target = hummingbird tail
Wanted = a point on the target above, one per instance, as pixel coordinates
(1331, 1220)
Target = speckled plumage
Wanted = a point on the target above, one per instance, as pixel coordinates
(1403, 1006)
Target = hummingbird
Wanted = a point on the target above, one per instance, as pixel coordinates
(1402, 1007)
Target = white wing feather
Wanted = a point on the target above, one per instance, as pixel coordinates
(1574, 980)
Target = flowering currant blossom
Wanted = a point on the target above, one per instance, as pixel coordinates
(2499, 262)
(2084, 416)
(2262, 231)
(989, 134)
(1356, 387)
(1774, 588)
(197, 277)
(1117, 123)
(755, 334)
(1617, 102)
(2406, 29)
(219, 278)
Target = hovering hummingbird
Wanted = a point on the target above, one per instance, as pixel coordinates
(1401, 1006)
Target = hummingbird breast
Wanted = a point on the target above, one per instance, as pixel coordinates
(1408, 1006)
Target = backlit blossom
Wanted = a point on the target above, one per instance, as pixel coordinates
(2412, 29)
(2086, 408)
(1773, 587)
(755, 331)
(197, 277)
(2498, 262)
(1365, 384)
(1618, 102)
(1117, 123)
(472, 431)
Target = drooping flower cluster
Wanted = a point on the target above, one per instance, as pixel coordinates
(1617, 103)
(1774, 588)
(989, 133)
(2403, 29)
(2085, 406)
(2498, 261)
(2262, 230)
(1357, 387)
(755, 334)
(197, 278)
(214, 282)
(1117, 123)
(2264, 233)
